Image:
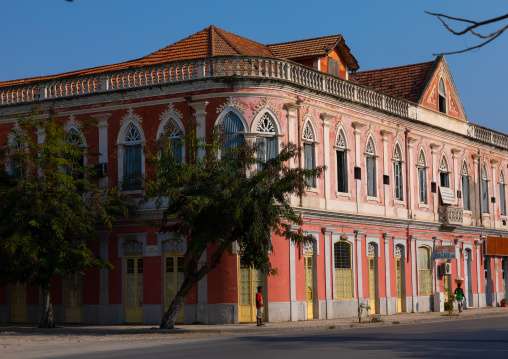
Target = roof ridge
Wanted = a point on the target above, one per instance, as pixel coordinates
(219, 32)
(174, 43)
(222, 31)
(312, 38)
(395, 67)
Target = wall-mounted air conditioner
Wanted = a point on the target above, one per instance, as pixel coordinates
(445, 268)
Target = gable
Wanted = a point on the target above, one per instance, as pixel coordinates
(430, 93)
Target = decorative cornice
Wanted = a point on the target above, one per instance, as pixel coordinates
(131, 116)
(171, 111)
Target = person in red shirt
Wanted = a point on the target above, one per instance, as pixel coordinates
(259, 305)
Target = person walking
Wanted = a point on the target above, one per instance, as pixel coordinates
(459, 295)
(259, 305)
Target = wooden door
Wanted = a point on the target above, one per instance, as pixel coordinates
(372, 284)
(133, 289)
(74, 299)
(309, 285)
(249, 280)
(173, 279)
(18, 303)
(398, 266)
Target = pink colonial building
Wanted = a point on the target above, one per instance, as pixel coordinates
(412, 194)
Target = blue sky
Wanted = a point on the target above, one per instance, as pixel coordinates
(42, 37)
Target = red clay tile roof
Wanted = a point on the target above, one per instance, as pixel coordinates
(213, 41)
(406, 82)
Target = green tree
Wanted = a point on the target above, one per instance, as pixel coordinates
(48, 208)
(211, 201)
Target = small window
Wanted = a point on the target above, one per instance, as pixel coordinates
(309, 155)
(233, 132)
(174, 134)
(266, 140)
(442, 96)
(502, 200)
(342, 171)
(371, 168)
(132, 159)
(485, 190)
(76, 164)
(465, 187)
(422, 180)
(397, 174)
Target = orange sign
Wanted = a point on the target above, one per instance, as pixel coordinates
(496, 246)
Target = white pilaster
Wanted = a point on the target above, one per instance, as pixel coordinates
(292, 278)
(386, 169)
(200, 116)
(102, 126)
(358, 160)
(387, 237)
(414, 284)
(435, 204)
(292, 116)
(359, 261)
(478, 273)
(327, 232)
(326, 155)
(411, 164)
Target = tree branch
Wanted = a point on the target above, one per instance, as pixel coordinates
(471, 29)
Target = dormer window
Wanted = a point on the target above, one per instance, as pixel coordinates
(442, 96)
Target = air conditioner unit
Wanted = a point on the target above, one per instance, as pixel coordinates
(100, 170)
(445, 268)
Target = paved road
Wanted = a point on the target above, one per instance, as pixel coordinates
(473, 338)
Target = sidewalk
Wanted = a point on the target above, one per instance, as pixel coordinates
(232, 329)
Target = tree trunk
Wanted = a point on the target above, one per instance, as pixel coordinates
(168, 319)
(47, 321)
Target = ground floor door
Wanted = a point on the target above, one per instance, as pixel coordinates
(173, 279)
(372, 284)
(398, 266)
(134, 289)
(309, 285)
(486, 271)
(18, 303)
(249, 280)
(469, 281)
(74, 299)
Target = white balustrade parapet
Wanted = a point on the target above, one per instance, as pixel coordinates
(179, 71)
(486, 135)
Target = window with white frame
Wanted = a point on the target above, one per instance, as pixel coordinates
(424, 271)
(442, 96)
(233, 131)
(132, 159)
(464, 175)
(76, 163)
(422, 178)
(342, 168)
(502, 194)
(485, 189)
(370, 152)
(309, 152)
(444, 176)
(174, 133)
(397, 173)
(266, 138)
(343, 263)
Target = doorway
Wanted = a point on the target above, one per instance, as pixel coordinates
(173, 279)
(469, 278)
(18, 303)
(309, 283)
(134, 289)
(486, 271)
(249, 280)
(74, 299)
(372, 283)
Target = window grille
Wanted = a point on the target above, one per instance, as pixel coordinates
(343, 270)
(424, 271)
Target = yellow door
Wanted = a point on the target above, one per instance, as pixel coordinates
(18, 303)
(173, 279)
(133, 290)
(309, 285)
(372, 285)
(398, 266)
(74, 299)
(249, 280)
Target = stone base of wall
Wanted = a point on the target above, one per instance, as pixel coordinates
(211, 313)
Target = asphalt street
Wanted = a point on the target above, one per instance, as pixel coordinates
(472, 338)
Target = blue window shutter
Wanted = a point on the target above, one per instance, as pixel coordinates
(233, 129)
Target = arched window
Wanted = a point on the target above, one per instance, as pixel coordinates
(309, 151)
(397, 173)
(233, 131)
(442, 96)
(370, 152)
(464, 174)
(266, 138)
(343, 269)
(444, 176)
(173, 132)
(342, 168)
(424, 271)
(132, 158)
(422, 177)
(485, 189)
(76, 163)
(502, 194)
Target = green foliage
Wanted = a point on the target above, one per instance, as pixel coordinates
(48, 209)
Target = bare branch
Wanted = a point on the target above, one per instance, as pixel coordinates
(470, 29)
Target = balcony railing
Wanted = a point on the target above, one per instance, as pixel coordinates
(181, 71)
(451, 216)
(486, 135)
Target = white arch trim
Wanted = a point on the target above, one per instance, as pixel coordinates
(273, 115)
(229, 109)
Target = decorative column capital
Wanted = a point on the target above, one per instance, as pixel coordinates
(455, 152)
(294, 228)
(359, 234)
(102, 119)
(385, 134)
(326, 117)
(291, 109)
(413, 238)
(327, 230)
(387, 237)
(199, 107)
(411, 141)
(434, 147)
(358, 127)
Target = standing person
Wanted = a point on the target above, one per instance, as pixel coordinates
(259, 305)
(459, 295)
